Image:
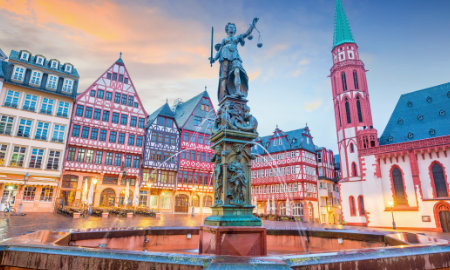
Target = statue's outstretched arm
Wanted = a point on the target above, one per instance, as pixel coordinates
(250, 29)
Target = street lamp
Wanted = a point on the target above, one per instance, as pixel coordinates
(25, 180)
(391, 204)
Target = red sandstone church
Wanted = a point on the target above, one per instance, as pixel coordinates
(405, 170)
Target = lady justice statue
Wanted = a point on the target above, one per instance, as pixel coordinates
(233, 80)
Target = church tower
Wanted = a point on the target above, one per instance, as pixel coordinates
(350, 98)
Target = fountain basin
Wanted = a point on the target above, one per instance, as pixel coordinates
(177, 248)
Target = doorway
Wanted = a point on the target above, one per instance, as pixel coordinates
(8, 195)
(181, 203)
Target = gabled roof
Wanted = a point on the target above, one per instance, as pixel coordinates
(419, 115)
(184, 110)
(164, 110)
(292, 140)
(342, 32)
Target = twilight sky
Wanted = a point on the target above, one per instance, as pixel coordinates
(165, 44)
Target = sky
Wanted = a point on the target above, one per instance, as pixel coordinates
(166, 44)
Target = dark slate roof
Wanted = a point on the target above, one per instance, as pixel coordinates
(342, 32)
(3, 65)
(164, 110)
(184, 110)
(292, 140)
(15, 55)
(419, 115)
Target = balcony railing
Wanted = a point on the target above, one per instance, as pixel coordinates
(11, 105)
(46, 111)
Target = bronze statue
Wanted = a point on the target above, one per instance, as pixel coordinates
(238, 182)
(233, 80)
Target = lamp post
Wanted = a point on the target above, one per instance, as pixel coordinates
(124, 174)
(25, 180)
(193, 206)
(391, 204)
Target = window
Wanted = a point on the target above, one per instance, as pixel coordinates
(193, 138)
(80, 154)
(127, 161)
(131, 139)
(121, 138)
(139, 141)
(18, 156)
(39, 60)
(352, 149)
(160, 121)
(100, 93)
(355, 79)
(110, 180)
(92, 93)
(98, 157)
(108, 76)
(36, 158)
(18, 73)
(63, 109)
(58, 133)
(130, 100)
(29, 193)
(112, 136)
(125, 81)
(143, 197)
(124, 99)
(440, 185)
(347, 111)
(197, 121)
(24, 128)
(53, 160)
(85, 133)
(46, 194)
(399, 188)
(6, 123)
(36, 77)
(352, 206)
(114, 77)
(97, 114)
(185, 137)
(117, 98)
(52, 82)
(103, 135)
(76, 131)
(169, 122)
(141, 122)
(123, 119)
(89, 156)
(133, 121)
(200, 139)
(71, 154)
(105, 116)
(358, 108)
(117, 159)
(80, 110)
(362, 211)
(120, 78)
(136, 105)
(30, 103)
(68, 68)
(3, 149)
(94, 134)
(88, 112)
(344, 81)
(12, 99)
(67, 85)
(41, 131)
(136, 161)
(47, 105)
(115, 118)
(207, 141)
(54, 64)
(354, 169)
(24, 56)
(108, 95)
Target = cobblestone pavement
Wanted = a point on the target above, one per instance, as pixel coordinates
(19, 225)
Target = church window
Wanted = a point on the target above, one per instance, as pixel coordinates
(344, 81)
(358, 107)
(440, 185)
(347, 111)
(352, 149)
(352, 206)
(355, 79)
(339, 113)
(354, 169)
(362, 211)
(399, 188)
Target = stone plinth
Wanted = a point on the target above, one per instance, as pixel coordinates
(233, 240)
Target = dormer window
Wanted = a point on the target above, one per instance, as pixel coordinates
(24, 56)
(18, 73)
(67, 85)
(36, 77)
(39, 60)
(54, 64)
(67, 68)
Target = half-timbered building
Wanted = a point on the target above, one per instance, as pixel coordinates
(284, 175)
(105, 145)
(195, 182)
(160, 160)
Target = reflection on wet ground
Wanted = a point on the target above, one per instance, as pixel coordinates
(19, 225)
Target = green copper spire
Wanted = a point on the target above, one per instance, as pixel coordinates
(342, 32)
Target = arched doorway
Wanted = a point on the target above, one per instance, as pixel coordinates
(107, 197)
(442, 216)
(181, 203)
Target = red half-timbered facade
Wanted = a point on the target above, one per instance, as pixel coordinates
(106, 139)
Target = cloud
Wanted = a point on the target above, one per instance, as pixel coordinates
(312, 105)
(301, 67)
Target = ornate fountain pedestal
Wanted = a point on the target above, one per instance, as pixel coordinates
(232, 229)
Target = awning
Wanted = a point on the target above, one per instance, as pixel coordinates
(29, 183)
